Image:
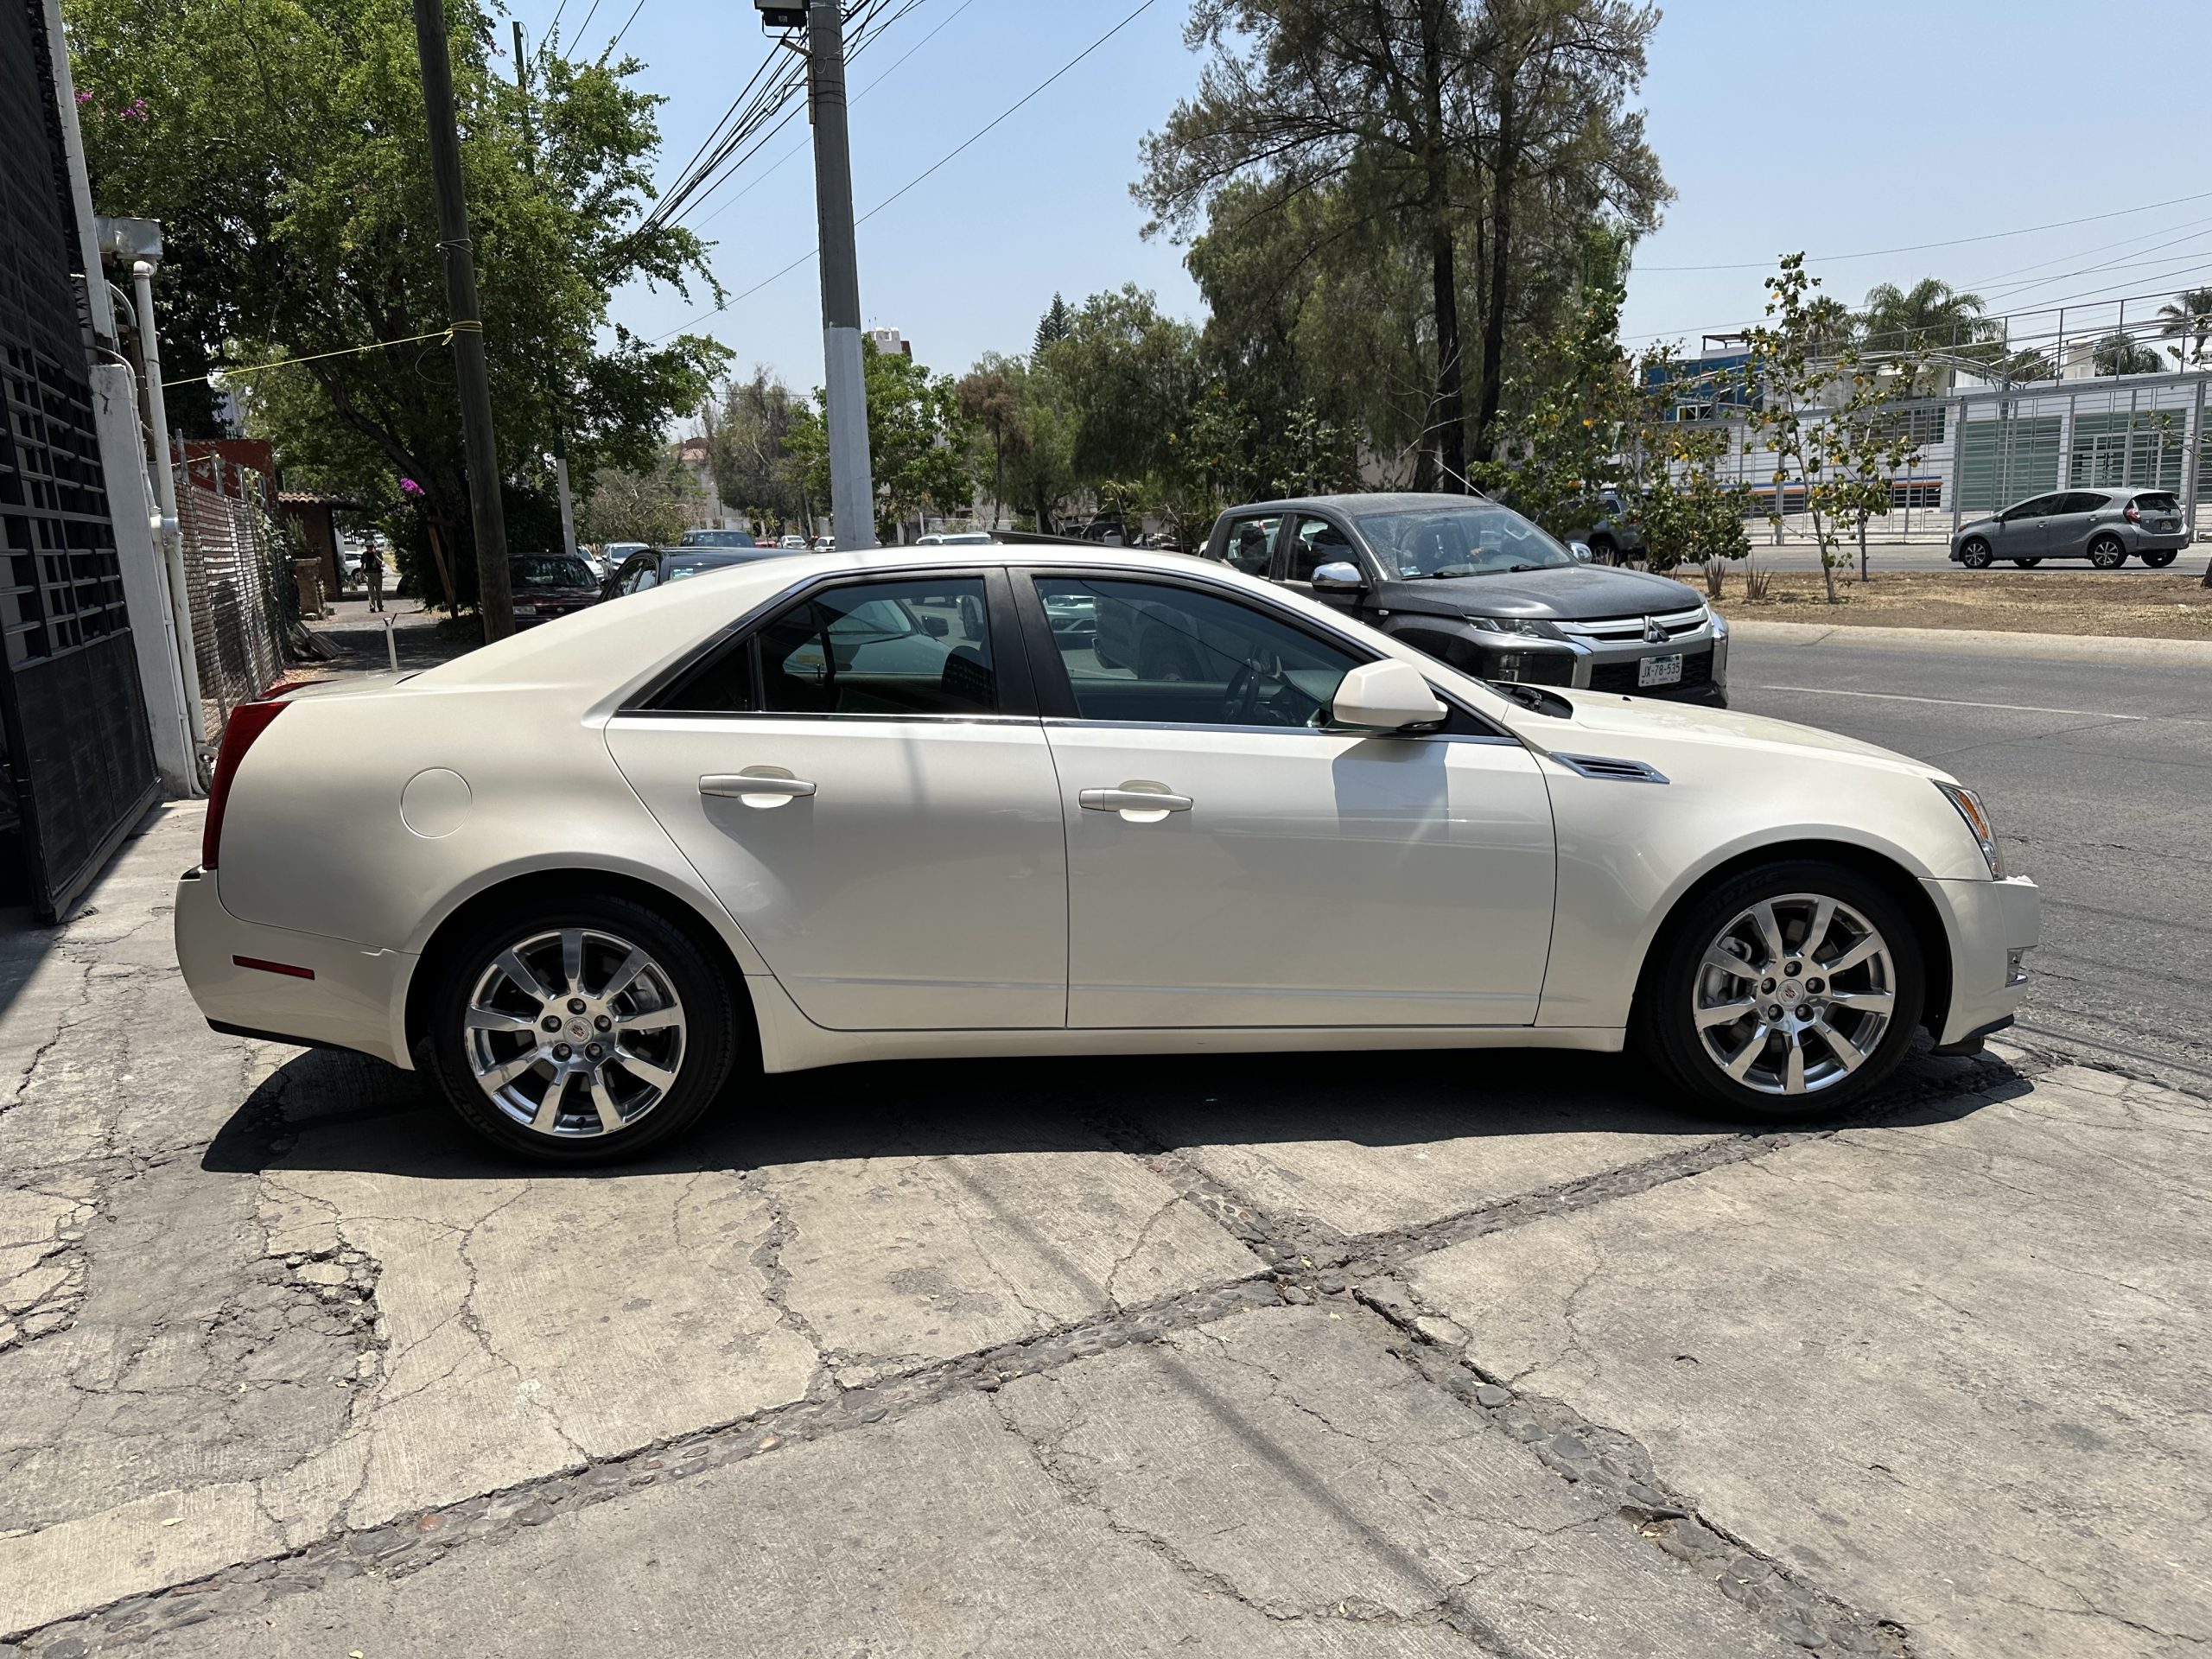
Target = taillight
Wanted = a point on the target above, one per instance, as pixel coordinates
(2132, 516)
(248, 722)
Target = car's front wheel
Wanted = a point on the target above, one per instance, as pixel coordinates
(579, 1030)
(1787, 992)
(1974, 554)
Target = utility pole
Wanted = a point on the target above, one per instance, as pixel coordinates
(852, 486)
(495, 599)
(560, 439)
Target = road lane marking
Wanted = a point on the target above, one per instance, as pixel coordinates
(1951, 702)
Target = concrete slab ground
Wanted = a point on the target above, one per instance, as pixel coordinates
(1955, 1369)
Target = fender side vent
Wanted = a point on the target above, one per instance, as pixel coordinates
(1606, 768)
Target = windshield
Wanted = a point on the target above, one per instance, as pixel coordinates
(718, 538)
(1471, 538)
(550, 570)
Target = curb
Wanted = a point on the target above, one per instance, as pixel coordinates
(1979, 642)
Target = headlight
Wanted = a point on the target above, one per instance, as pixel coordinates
(1534, 627)
(1977, 819)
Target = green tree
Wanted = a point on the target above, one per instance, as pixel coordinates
(282, 145)
(2188, 319)
(755, 471)
(1455, 135)
(1056, 324)
(989, 395)
(653, 506)
(2120, 353)
(917, 442)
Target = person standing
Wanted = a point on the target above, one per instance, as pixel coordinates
(372, 571)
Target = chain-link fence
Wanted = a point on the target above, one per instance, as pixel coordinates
(233, 570)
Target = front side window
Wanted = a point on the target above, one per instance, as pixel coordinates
(916, 646)
(1316, 543)
(2035, 508)
(1469, 538)
(1161, 653)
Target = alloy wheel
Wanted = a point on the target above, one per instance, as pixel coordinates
(1794, 995)
(575, 1032)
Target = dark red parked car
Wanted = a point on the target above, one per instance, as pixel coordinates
(547, 584)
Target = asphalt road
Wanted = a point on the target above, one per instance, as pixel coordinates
(2099, 774)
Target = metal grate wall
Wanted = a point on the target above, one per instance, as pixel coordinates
(79, 762)
(231, 555)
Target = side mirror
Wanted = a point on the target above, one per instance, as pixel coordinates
(936, 626)
(1385, 696)
(1339, 577)
(1581, 551)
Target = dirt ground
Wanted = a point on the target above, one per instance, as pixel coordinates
(2171, 605)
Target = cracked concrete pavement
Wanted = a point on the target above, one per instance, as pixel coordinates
(1331, 1355)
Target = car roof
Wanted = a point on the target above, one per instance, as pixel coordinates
(1358, 501)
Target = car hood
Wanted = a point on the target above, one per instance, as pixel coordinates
(1571, 593)
(1600, 719)
(1977, 523)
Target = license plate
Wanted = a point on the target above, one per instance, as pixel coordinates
(1659, 670)
(2165, 526)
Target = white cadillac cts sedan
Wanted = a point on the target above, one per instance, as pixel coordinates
(893, 805)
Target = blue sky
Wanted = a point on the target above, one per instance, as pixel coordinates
(1836, 127)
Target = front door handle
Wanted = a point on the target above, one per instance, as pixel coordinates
(760, 786)
(1138, 801)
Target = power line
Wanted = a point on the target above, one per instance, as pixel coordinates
(777, 163)
(621, 32)
(1954, 242)
(589, 15)
(967, 142)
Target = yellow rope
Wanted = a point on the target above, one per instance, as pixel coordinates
(443, 334)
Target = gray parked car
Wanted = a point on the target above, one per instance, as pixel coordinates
(1473, 582)
(2103, 526)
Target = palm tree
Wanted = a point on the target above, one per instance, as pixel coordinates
(2116, 353)
(2189, 318)
(1930, 316)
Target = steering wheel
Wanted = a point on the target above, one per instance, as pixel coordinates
(1241, 701)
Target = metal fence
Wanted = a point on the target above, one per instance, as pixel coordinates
(232, 554)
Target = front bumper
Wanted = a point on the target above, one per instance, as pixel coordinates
(312, 989)
(1990, 924)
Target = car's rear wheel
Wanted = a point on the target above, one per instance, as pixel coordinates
(2106, 554)
(1787, 992)
(580, 1031)
(2027, 564)
(1603, 550)
(1974, 554)
(2160, 559)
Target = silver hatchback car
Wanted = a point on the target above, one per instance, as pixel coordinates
(2103, 526)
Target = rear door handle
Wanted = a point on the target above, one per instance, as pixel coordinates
(1139, 801)
(760, 786)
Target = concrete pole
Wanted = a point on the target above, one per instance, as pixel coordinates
(494, 594)
(852, 486)
(171, 534)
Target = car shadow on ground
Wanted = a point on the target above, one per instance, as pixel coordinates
(313, 1112)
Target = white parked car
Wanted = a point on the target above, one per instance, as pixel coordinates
(890, 805)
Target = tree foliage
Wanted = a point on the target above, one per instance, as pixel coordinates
(282, 146)
(917, 441)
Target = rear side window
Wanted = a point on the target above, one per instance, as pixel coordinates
(1250, 544)
(911, 647)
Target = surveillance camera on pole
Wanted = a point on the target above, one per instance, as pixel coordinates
(852, 489)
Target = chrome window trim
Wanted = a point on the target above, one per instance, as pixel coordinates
(1279, 731)
(769, 714)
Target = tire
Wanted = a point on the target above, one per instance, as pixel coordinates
(2027, 564)
(1974, 555)
(2159, 561)
(1679, 981)
(1603, 550)
(680, 1063)
(2106, 554)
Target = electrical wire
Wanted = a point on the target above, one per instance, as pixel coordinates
(621, 32)
(1954, 242)
(968, 142)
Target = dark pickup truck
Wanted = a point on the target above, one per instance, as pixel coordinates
(1473, 583)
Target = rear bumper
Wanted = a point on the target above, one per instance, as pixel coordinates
(314, 990)
(1988, 923)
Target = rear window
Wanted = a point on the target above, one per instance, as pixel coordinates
(2156, 502)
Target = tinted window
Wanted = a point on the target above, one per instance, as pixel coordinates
(1249, 543)
(1318, 542)
(2035, 507)
(908, 647)
(550, 571)
(718, 538)
(2081, 501)
(2159, 502)
(1163, 653)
